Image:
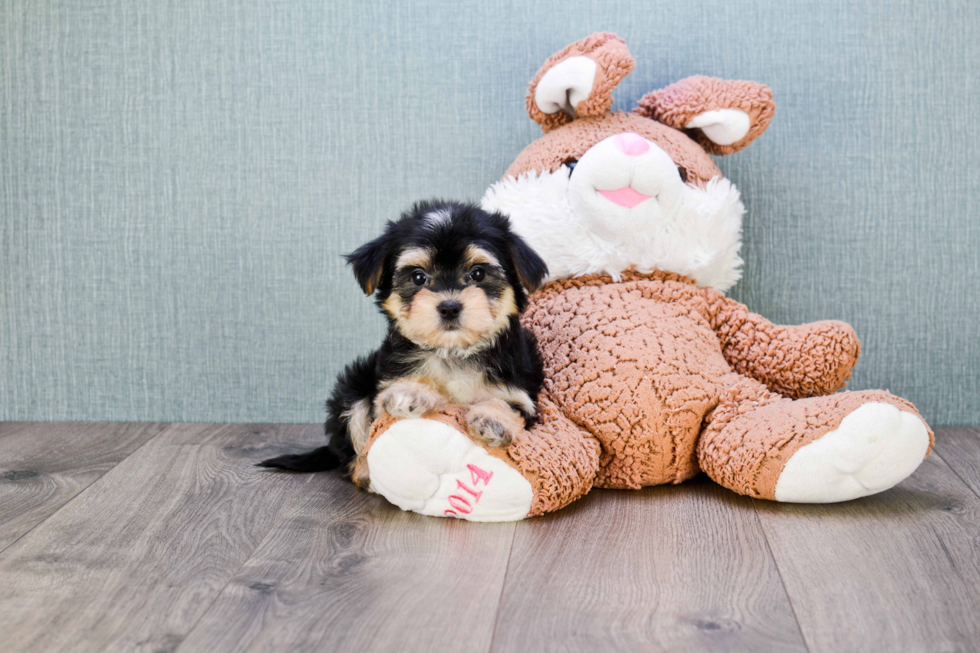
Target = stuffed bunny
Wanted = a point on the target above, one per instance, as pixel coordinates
(651, 374)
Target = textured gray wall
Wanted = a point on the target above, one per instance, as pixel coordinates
(179, 180)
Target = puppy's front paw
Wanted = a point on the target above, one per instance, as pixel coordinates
(494, 425)
(489, 430)
(408, 399)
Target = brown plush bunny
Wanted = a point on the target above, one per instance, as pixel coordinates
(652, 374)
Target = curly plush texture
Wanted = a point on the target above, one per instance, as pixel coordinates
(677, 104)
(634, 363)
(653, 364)
(643, 388)
(613, 63)
(796, 361)
(649, 378)
(559, 459)
(753, 433)
(572, 140)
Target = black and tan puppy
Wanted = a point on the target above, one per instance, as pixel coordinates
(452, 280)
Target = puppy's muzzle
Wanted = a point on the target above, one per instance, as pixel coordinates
(449, 310)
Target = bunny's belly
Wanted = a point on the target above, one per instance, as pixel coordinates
(640, 374)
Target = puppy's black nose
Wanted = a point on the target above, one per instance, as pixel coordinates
(450, 309)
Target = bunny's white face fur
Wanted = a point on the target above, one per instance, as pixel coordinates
(604, 191)
(624, 205)
(625, 184)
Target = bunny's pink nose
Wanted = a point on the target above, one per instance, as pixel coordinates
(632, 144)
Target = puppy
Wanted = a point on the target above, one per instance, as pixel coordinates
(451, 280)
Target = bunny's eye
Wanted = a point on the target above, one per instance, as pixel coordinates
(683, 174)
(570, 164)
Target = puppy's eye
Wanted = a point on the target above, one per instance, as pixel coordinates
(419, 278)
(478, 274)
(570, 164)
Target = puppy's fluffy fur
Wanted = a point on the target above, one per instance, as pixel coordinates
(451, 280)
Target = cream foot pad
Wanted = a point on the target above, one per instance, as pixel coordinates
(431, 468)
(875, 447)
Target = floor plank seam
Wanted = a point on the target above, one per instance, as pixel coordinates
(85, 489)
(232, 577)
(956, 474)
(779, 572)
(503, 586)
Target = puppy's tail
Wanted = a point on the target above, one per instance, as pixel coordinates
(318, 460)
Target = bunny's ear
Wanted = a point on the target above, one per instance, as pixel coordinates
(726, 116)
(578, 81)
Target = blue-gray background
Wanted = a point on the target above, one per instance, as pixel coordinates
(180, 178)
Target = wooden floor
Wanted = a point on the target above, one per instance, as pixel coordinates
(164, 537)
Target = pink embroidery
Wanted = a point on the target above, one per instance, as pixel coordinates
(476, 474)
(458, 501)
(461, 504)
(476, 495)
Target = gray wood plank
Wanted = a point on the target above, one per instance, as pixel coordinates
(345, 571)
(136, 558)
(898, 571)
(674, 568)
(44, 465)
(959, 446)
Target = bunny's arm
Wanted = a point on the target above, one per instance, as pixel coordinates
(796, 361)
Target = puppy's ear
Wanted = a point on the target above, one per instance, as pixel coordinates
(530, 268)
(368, 262)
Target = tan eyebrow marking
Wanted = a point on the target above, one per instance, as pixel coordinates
(419, 257)
(476, 255)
